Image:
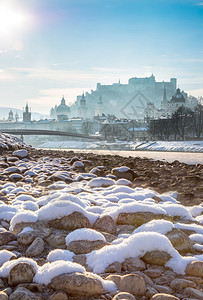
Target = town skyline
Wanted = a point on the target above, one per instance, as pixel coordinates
(67, 47)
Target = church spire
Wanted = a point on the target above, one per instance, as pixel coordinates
(164, 95)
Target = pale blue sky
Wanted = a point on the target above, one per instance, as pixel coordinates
(67, 46)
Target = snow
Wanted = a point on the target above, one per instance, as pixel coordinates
(78, 164)
(122, 169)
(99, 182)
(5, 256)
(23, 217)
(26, 229)
(84, 234)
(59, 254)
(175, 146)
(61, 209)
(194, 227)
(195, 210)
(159, 226)
(50, 270)
(20, 153)
(7, 266)
(137, 245)
(123, 181)
(133, 208)
(177, 210)
(197, 238)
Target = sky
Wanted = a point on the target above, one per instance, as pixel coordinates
(51, 48)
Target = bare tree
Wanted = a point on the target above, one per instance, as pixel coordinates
(87, 127)
(198, 120)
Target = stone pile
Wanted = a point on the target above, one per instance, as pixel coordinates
(73, 228)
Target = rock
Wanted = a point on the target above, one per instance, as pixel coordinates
(33, 287)
(156, 257)
(139, 218)
(114, 278)
(8, 291)
(26, 238)
(3, 296)
(163, 296)
(125, 229)
(78, 165)
(153, 273)
(81, 259)
(77, 284)
(124, 172)
(195, 268)
(132, 283)
(21, 273)
(85, 246)
(57, 240)
(197, 294)
(146, 278)
(2, 283)
(23, 294)
(196, 280)
(163, 289)
(124, 296)
(150, 291)
(106, 224)
(6, 237)
(180, 284)
(36, 248)
(15, 177)
(132, 264)
(59, 295)
(164, 279)
(180, 241)
(45, 183)
(73, 221)
(20, 153)
(115, 267)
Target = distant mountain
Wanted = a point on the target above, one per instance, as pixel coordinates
(5, 110)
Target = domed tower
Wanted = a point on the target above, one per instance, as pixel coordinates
(16, 117)
(10, 116)
(62, 110)
(82, 109)
(177, 100)
(99, 109)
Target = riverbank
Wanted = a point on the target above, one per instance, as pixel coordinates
(87, 226)
(171, 146)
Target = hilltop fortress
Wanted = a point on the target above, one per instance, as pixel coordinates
(126, 100)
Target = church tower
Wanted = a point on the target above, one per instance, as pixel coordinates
(27, 114)
(99, 109)
(164, 101)
(10, 116)
(82, 109)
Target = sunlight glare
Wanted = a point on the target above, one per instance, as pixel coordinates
(12, 21)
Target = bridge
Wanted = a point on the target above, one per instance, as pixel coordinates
(49, 132)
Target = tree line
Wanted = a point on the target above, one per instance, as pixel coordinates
(183, 124)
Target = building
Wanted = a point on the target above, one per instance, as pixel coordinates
(10, 116)
(60, 112)
(126, 100)
(27, 114)
(63, 110)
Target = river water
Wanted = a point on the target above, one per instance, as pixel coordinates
(185, 157)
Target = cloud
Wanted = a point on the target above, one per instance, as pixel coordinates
(6, 76)
(51, 97)
(196, 93)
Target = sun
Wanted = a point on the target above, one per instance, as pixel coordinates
(12, 21)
